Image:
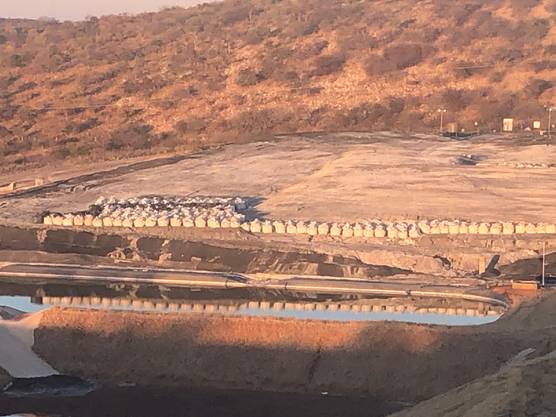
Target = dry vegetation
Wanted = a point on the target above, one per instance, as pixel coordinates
(231, 71)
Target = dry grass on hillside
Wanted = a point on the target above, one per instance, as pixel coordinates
(237, 70)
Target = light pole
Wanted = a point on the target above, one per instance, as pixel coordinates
(441, 111)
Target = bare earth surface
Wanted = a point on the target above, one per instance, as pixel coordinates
(342, 177)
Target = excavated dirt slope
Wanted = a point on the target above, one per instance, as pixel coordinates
(527, 389)
(239, 252)
(392, 361)
(229, 250)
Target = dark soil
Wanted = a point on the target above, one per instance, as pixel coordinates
(175, 402)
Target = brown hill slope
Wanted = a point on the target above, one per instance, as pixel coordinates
(182, 78)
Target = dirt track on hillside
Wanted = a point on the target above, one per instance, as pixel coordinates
(392, 361)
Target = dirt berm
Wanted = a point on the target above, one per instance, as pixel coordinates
(391, 361)
(191, 252)
(237, 251)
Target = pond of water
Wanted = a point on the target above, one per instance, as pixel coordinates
(258, 303)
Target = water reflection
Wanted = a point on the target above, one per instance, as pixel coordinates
(26, 304)
(251, 302)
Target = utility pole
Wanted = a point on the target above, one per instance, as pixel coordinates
(543, 262)
(550, 123)
(441, 111)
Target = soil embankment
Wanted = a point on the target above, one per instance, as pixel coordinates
(234, 254)
(237, 251)
(391, 361)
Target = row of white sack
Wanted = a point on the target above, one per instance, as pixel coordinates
(400, 230)
(223, 220)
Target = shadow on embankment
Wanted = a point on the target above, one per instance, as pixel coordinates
(389, 361)
(530, 267)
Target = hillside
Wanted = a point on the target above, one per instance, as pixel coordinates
(233, 71)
